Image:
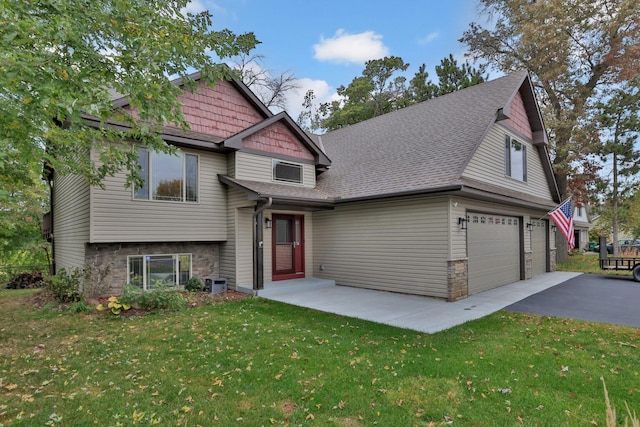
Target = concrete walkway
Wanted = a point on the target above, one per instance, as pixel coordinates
(421, 314)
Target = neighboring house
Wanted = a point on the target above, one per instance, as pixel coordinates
(581, 226)
(440, 199)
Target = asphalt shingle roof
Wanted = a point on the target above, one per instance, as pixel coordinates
(281, 191)
(421, 147)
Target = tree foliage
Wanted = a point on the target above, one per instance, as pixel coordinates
(63, 60)
(383, 88)
(23, 196)
(618, 120)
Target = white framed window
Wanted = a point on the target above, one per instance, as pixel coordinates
(287, 171)
(515, 159)
(145, 271)
(167, 177)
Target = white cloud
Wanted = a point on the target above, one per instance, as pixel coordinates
(355, 48)
(428, 38)
(194, 6)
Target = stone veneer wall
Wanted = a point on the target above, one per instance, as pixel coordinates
(528, 265)
(457, 279)
(205, 259)
(552, 260)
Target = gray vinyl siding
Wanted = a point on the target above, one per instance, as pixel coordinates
(231, 165)
(71, 220)
(398, 245)
(117, 217)
(260, 168)
(229, 257)
(488, 165)
(244, 247)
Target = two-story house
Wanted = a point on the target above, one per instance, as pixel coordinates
(445, 198)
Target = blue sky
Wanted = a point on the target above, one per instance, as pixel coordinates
(325, 43)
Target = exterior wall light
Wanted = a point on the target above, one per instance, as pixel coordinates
(529, 227)
(462, 222)
(554, 228)
(267, 222)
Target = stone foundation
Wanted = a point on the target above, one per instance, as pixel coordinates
(457, 279)
(205, 259)
(552, 260)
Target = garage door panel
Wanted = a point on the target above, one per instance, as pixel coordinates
(493, 250)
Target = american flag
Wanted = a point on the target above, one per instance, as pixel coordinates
(563, 217)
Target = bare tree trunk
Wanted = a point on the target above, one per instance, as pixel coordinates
(614, 206)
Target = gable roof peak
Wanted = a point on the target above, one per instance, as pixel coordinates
(423, 146)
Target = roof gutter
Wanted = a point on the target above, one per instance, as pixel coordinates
(258, 245)
(443, 189)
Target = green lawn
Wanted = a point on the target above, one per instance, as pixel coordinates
(256, 362)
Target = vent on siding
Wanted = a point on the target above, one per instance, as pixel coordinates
(287, 172)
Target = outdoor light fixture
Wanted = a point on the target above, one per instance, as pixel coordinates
(554, 228)
(267, 222)
(462, 222)
(529, 227)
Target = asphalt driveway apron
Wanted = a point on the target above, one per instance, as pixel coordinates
(591, 297)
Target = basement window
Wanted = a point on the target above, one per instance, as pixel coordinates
(287, 172)
(147, 271)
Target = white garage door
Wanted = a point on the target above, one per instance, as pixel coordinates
(494, 251)
(539, 247)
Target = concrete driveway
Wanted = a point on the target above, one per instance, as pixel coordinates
(421, 314)
(591, 297)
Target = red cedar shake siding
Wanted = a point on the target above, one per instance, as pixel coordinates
(519, 120)
(220, 110)
(278, 139)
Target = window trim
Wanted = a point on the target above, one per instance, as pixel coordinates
(275, 162)
(508, 160)
(149, 178)
(176, 266)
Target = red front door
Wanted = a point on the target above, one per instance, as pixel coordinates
(288, 247)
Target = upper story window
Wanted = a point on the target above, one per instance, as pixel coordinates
(167, 177)
(287, 172)
(516, 159)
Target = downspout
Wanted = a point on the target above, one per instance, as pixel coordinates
(258, 245)
(52, 265)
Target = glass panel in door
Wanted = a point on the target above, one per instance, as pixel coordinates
(288, 246)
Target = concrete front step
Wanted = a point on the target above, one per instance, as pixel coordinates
(287, 286)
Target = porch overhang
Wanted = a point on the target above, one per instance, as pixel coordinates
(282, 196)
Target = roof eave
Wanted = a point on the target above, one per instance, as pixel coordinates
(177, 140)
(416, 192)
(277, 198)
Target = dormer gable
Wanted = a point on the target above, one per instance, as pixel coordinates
(522, 114)
(278, 135)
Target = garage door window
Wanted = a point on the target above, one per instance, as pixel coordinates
(516, 159)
